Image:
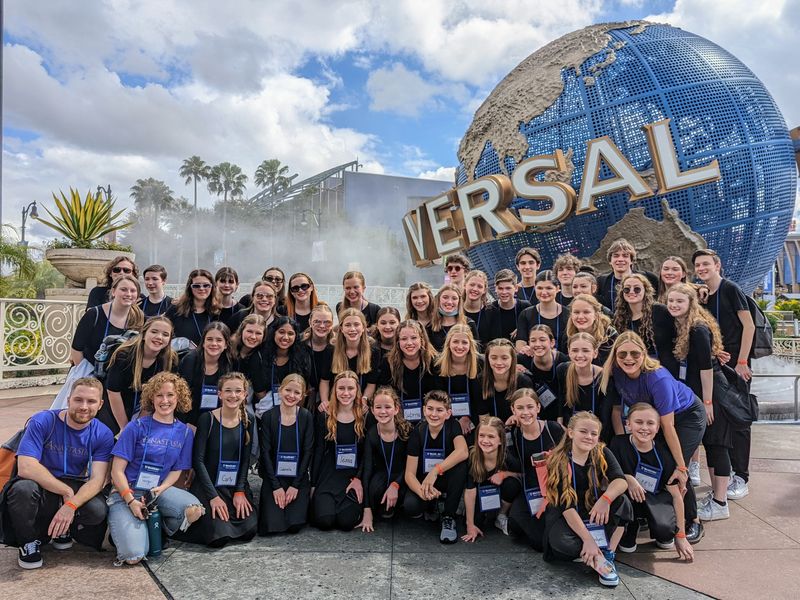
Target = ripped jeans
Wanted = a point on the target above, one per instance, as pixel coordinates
(130, 534)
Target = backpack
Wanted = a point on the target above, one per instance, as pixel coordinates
(8, 453)
(762, 338)
(182, 346)
(107, 349)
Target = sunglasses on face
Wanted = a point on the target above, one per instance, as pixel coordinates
(632, 290)
(264, 296)
(118, 270)
(455, 268)
(300, 288)
(635, 354)
(201, 286)
(273, 279)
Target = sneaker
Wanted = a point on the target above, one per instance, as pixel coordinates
(30, 557)
(608, 572)
(628, 542)
(694, 473)
(669, 545)
(737, 488)
(705, 499)
(431, 513)
(449, 535)
(63, 542)
(694, 532)
(713, 511)
(501, 522)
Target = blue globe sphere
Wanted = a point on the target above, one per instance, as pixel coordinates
(647, 73)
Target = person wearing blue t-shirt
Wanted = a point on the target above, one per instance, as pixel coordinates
(149, 458)
(62, 463)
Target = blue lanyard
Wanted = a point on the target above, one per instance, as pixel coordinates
(296, 435)
(594, 389)
(525, 295)
(639, 456)
(169, 445)
(389, 462)
(557, 320)
(239, 446)
(574, 487)
(448, 385)
(552, 368)
(160, 304)
(108, 319)
(89, 464)
(478, 324)
(522, 448)
(441, 432)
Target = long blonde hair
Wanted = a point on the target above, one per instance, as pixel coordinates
(476, 456)
(696, 316)
(333, 409)
(340, 363)
(445, 360)
(436, 317)
(601, 328)
(237, 345)
(649, 364)
(572, 393)
(133, 350)
(480, 275)
(559, 469)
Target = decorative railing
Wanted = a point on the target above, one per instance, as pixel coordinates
(786, 347)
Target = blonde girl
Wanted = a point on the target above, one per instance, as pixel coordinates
(459, 374)
(353, 351)
(354, 286)
(586, 316)
(448, 311)
(500, 380)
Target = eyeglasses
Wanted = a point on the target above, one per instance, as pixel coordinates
(455, 268)
(300, 288)
(118, 270)
(273, 279)
(318, 323)
(635, 354)
(201, 286)
(264, 296)
(632, 290)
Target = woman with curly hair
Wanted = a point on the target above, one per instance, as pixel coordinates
(196, 307)
(149, 458)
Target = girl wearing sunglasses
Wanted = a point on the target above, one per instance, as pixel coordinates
(263, 303)
(196, 307)
(116, 268)
(301, 300)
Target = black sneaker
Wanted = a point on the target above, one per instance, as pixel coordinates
(628, 542)
(30, 557)
(63, 542)
(449, 535)
(694, 532)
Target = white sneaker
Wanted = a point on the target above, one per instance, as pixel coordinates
(694, 473)
(737, 488)
(713, 512)
(702, 500)
(501, 522)
(666, 545)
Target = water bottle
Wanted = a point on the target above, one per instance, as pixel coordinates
(154, 532)
(100, 360)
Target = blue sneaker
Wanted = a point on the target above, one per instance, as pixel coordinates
(608, 570)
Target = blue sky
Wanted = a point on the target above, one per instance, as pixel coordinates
(112, 91)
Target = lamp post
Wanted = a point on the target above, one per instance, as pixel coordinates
(317, 214)
(31, 211)
(112, 237)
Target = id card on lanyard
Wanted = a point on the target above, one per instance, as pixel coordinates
(533, 495)
(286, 463)
(412, 407)
(546, 395)
(208, 396)
(647, 475)
(228, 470)
(346, 454)
(489, 497)
(598, 532)
(431, 457)
(150, 472)
(459, 403)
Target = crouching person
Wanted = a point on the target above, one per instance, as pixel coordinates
(62, 463)
(149, 457)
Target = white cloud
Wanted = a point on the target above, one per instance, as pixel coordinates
(439, 174)
(399, 90)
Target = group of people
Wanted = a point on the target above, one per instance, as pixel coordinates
(568, 411)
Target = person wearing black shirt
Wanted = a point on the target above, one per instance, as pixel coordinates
(156, 302)
(226, 282)
(115, 268)
(263, 303)
(566, 267)
(202, 369)
(542, 361)
(318, 338)
(500, 381)
(301, 299)
(250, 356)
(195, 309)
(528, 260)
(448, 310)
(546, 312)
(354, 286)
(621, 256)
(460, 367)
(504, 312)
(410, 366)
(476, 305)
(286, 353)
(354, 352)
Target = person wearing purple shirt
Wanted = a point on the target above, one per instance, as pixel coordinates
(631, 376)
(149, 458)
(62, 463)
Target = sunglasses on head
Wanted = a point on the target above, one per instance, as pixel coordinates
(273, 279)
(300, 288)
(636, 289)
(125, 270)
(635, 354)
(455, 268)
(201, 286)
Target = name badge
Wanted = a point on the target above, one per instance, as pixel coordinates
(287, 464)
(276, 397)
(345, 456)
(149, 476)
(412, 410)
(489, 496)
(264, 405)
(227, 472)
(460, 405)
(682, 371)
(546, 395)
(648, 477)
(431, 458)
(598, 533)
(535, 500)
(209, 398)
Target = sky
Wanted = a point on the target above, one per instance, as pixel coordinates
(110, 91)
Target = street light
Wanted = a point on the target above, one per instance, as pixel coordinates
(316, 214)
(106, 191)
(31, 211)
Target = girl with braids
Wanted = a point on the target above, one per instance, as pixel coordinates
(202, 368)
(531, 437)
(411, 366)
(476, 304)
(287, 447)
(384, 332)
(337, 490)
(384, 458)
(489, 486)
(264, 303)
(460, 374)
(131, 366)
(301, 300)
(636, 310)
(579, 384)
(354, 286)
(447, 312)
(697, 344)
(196, 308)
(543, 361)
(319, 339)
(354, 352)
(250, 356)
(286, 353)
(226, 282)
(587, 316)
(419, 303)
(221, 459)
(588, 509)
(500, 381)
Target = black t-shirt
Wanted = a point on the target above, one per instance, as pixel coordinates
(521, 449)
(153, 309)
(375, 374)
(370, 312)
(379, 456)
(192, 370)
(558, 325)
(625, 453)
(663, 340)
(563, 300)
(607, 283)
(528, 294)
(581, 482)
(699, 358)
(590, 398)
(461, 384)
(547, 386)
(421, 438)
(120, 379)
(92, 329)
(226, 315)
(483, 320)
(320, 365)
(191, 326)
(255, 366)
(276, 373)
(503, 321)
(437, 338)
(98, 296)
(725, 305)
(496, 404)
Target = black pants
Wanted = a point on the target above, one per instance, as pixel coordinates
(719, 459)
(376, 488)
(452, 483)
(690, 425)
(660, 514)
(31, 508)
(521, 523)
(332, 513)
(740, 454)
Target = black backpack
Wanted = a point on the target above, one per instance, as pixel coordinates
(106, 351)
(762, 339)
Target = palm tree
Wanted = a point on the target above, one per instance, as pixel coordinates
(15, 256)
(152, 196)
(271, 174)
(195, 169)
(225, 179)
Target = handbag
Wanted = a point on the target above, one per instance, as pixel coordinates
(82, 369)
(732, 395)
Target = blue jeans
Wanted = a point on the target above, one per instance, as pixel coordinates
(130, 533)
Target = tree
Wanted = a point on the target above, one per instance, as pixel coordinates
(195, 169)
(152, 197)
(226, 179)
(271, 174)
(15, 256)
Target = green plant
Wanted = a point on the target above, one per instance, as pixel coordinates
(84, 223)
(789, 305)
(773, 321)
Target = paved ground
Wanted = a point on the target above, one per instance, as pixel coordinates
(752, 555)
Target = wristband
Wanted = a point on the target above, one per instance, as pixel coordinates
(239, 494)
(71, 505)
(680, 535)
(395, 485)
(741, 362)
(606, 498)
(682, 469)
(126, 492)
(131, 500)
(439, 470)
(708, 402)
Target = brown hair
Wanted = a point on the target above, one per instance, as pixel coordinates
(411, 312)
(237, 344)
(162, 272)
(600, 330)
(135, 315)
(91, 382)
(476, 467)
(339, 363)
(438, 396)
(402, 426)
(134, 351)
(313, 299)
(236, 375)
(662, 288)
(565, 261)
(107, 279)
(151, 388)
(436, 318)
(623, 314)
(488, 373)
(427, 355)
(532, 252)
(184, 305)
(621, 245)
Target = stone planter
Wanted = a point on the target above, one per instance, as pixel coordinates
(82, 267)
